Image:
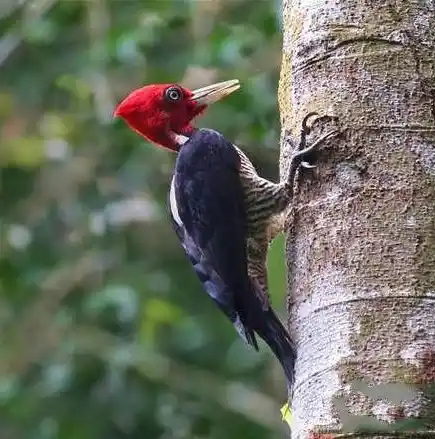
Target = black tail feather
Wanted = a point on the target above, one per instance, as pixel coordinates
(279, 341)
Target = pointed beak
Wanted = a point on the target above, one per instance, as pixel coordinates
(212, 93)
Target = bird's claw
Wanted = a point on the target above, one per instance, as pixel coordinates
(302, 150)
(307, 128)
(307, 165)
(298, 155)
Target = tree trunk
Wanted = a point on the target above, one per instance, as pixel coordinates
(361, 255)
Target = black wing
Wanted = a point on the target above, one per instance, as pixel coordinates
(213, 284)
(209, 218)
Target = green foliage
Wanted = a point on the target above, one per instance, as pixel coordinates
(105, 331)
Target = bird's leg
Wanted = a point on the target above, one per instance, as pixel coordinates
(306, 129)
(303, 150)
(276, 197)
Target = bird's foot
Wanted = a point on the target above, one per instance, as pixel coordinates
(301, 152)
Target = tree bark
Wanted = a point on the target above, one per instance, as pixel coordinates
(361, 245)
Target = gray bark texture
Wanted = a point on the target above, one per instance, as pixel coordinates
(361, 241)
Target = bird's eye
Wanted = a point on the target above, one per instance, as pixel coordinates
(173, 94)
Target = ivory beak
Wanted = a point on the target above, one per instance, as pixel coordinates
(215, 92)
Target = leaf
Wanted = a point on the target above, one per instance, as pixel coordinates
(286, 414)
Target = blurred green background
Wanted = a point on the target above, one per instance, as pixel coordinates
(105, 330)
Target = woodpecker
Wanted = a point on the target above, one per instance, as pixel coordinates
(223, 212)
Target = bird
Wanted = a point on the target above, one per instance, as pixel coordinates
(223, 212)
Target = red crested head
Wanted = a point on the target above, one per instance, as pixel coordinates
(163, 113)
